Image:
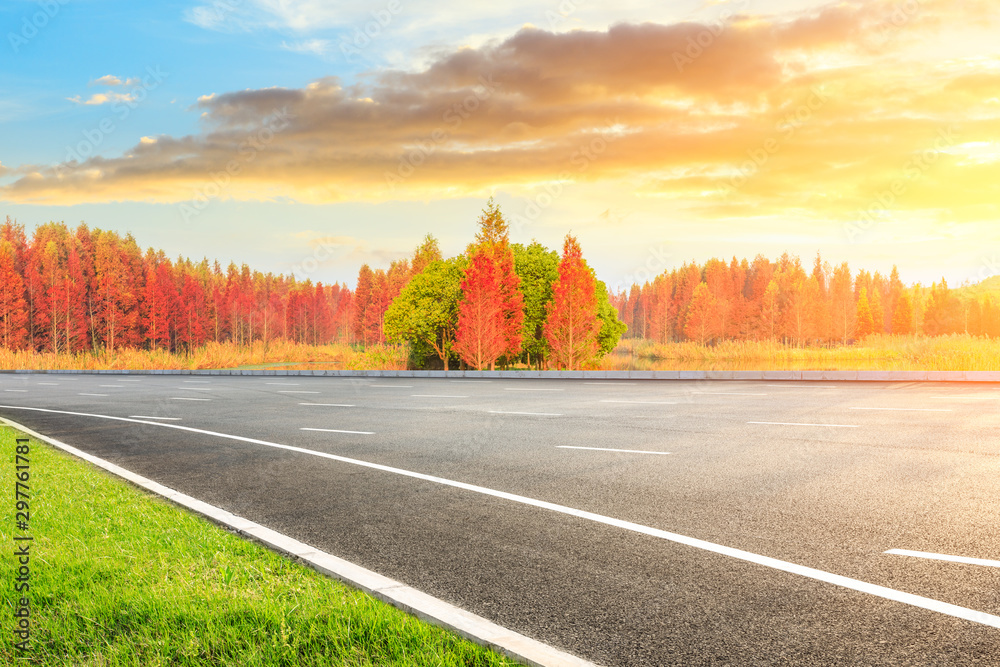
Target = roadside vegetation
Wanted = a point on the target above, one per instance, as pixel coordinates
(120, 577)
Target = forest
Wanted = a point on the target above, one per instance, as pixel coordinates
(499, 304)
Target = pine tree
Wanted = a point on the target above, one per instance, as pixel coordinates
(13, 308)
(571, 325)
(866, 324)
(480, 339)
(702, 322)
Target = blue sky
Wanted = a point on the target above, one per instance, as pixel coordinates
(634, 126)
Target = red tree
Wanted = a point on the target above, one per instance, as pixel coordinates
(571, 325)
(13, 309)
(480, 339)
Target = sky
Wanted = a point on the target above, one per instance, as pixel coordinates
(310, 137)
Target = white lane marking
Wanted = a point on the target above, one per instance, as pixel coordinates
(472, 381)
(192, 381)
(739, 554)
(329, 405)
(530, 389)
(725, 393)
(642, 402)
(173, 419)
(612, 383)
(284, 384)
(951, 559)
(434, 396)
(334, 430)
(909, 409)
(969, 398)
(798, 424)
(20, 391)
(605, 449)
(129, 380)
(181, 398)
(296, 391)
(49, 383)
(539, 414)
(84, 394)
(110, 385)
(196, 388)
(397, 386)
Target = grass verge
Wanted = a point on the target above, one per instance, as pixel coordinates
(122, 577)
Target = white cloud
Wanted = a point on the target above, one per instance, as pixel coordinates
(317, 47)
(112, 80)
(98, 99)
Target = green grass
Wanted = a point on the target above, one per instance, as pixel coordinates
(121, 577)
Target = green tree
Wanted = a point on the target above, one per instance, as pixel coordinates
(426, 312)
(612, 328)
(538, 268)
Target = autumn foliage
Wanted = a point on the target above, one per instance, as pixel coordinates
(572, 325)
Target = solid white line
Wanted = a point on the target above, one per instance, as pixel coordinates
(335, 430)
(952, 559)
(478, 629)
(725, 393)
(605, 449)
(801, 570)
(435, 396)
(797, 424)
(642, 402)
(20, 391)
(296, 391)
(539, 414)
(83, 394)
(329, 405)
(909, 409)
(179, 398)
(173, 419)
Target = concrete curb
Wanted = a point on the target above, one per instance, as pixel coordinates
(817, 376)
(425, 607)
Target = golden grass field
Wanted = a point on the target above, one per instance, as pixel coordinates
(883, 352)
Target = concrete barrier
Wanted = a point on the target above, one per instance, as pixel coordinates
(810, 376)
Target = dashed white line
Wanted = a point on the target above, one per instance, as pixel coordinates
(111, 386)
(394, 386)
(641, 402)
(129, 380)
(538, 414)
(20, 391)
(192, 381)
(799, 424)
(919, 601)
(85, 394)
(619, 384)
(173, 419)
(296, 391)
(284, 384)
(472, 381)
(952, 559)
(186, 398)
(334, 430)
(908, 409)
(329, 405)
(434, 396)
(605, 449)
(530, 389)
(196, 388)
(51, 384)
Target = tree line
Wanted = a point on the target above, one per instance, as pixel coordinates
(780, 300)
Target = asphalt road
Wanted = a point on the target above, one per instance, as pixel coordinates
(826, 477)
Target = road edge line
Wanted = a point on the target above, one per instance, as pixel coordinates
(405, 598)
